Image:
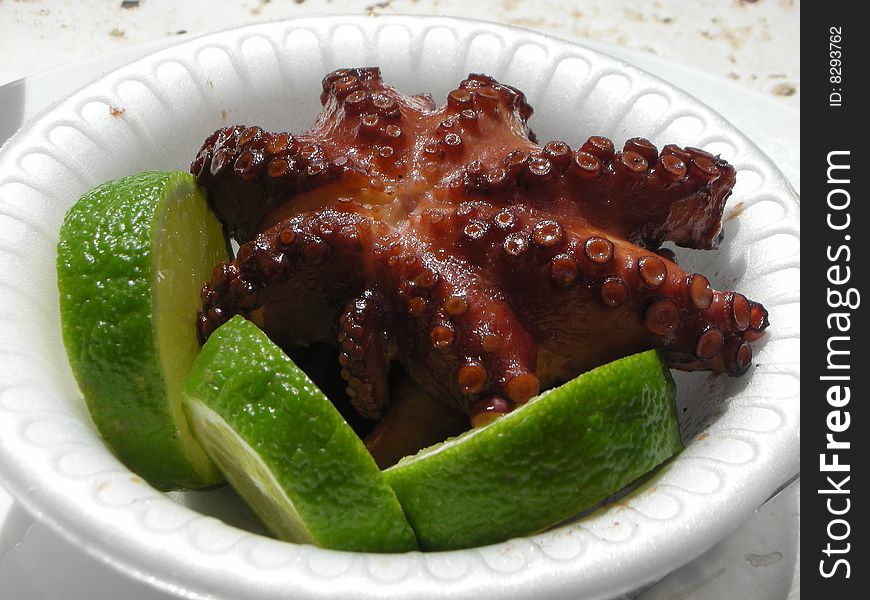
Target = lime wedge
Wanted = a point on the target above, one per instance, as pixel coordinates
(132, 256)
(561, 453)
(286, 449)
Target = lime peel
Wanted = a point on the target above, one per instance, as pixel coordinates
(286, 449)
(227, 446)
(547, 461)
(132, 256)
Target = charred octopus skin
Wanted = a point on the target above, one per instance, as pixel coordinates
(448, 241)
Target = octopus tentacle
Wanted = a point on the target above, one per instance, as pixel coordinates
(249, 171)
(273, 279)
(659, 303)
(645, 299)
(454, 320)
(365, 354)
(494, 353)
(638, 194)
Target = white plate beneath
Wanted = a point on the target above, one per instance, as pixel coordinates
(52, 459)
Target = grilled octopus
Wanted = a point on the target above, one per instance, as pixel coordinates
(445, 243)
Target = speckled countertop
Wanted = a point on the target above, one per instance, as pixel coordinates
(754, 42)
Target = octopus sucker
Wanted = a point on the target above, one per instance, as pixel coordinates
(451, 259)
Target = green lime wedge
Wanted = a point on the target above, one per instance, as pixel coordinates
(286, 449)
(132, 257)
(558, 455)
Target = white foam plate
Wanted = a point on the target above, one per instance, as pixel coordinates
(743, 434)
